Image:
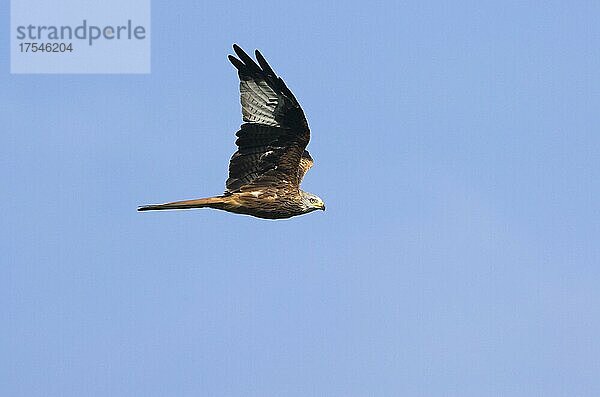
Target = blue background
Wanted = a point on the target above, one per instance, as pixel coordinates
(116, 55)
(457, 150)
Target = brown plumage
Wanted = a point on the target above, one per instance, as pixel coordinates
(266, 170)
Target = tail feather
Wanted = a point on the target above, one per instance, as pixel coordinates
(212, 202)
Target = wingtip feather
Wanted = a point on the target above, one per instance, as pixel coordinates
(263, 63)
(235, 62)
(246, 59)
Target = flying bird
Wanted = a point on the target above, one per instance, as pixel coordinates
(271, 158)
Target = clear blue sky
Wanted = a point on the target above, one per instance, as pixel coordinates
(457, 149)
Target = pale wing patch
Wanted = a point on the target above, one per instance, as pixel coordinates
(259, 102)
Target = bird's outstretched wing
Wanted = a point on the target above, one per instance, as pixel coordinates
(306, 162)
(272, 141)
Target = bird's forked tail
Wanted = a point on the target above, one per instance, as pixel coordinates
(212, 202)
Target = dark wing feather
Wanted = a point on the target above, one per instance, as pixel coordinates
(272, 140)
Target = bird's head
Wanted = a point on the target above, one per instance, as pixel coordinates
(312, 202)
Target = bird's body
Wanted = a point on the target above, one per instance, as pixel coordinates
(267, 203)
(266, 171)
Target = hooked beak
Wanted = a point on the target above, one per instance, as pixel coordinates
(323, 207)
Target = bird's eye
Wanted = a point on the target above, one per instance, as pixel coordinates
(312, 200)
